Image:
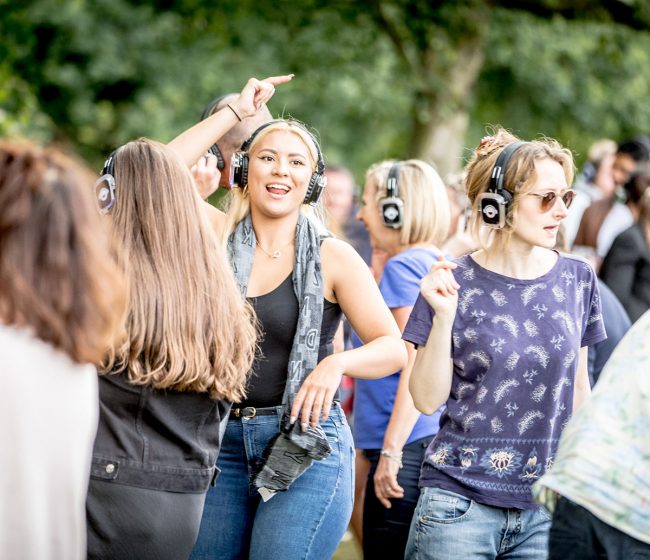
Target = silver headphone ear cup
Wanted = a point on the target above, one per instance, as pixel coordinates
(315, 189)
(244, 171)
(238, 170)
(493, 209)
(392, 212)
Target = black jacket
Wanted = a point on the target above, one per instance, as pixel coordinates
(626, 270)
(157, 439)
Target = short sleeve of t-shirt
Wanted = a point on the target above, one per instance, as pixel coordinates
(593, 328)
(419, 324)
(400, 281)
(586, 289)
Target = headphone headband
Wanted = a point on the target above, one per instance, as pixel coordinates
(240, 160)
(499, 171)
(391, 208)
(109, 165)
(214, 149)
(494, 204)
(392, 184)
(210, 107)
(320, 163)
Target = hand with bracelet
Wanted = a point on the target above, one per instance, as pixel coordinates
(385, 478)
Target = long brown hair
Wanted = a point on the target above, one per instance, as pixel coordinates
(187, 327)
(56, 275)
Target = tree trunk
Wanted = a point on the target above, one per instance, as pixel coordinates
(440, 118)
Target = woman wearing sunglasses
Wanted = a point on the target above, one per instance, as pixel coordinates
(502, 336)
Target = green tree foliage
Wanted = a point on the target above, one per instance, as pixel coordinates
(375, 79)
(588, 80)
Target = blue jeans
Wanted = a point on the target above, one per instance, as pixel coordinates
(385, 531)
(448, 526)
(305, 522)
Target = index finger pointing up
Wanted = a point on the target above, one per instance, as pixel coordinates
(275, 80)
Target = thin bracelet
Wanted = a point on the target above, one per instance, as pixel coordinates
(394, 456)
(230, 107)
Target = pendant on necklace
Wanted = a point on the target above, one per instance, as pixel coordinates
(276, 254)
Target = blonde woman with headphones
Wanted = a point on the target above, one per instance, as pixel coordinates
(285, 486)
(406, 212)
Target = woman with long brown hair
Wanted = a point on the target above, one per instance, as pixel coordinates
(60, 299)
(186, 349)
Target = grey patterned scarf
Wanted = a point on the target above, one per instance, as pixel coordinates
(293, 451)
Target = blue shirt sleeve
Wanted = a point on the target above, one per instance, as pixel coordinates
(400, 283)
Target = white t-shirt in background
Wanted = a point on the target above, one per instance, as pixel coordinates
(48, 419)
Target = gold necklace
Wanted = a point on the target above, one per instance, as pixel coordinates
(275, 254)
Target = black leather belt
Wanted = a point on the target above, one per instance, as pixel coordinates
(252, 412)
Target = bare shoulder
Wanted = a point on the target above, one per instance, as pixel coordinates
(338, 253)
(342, 266)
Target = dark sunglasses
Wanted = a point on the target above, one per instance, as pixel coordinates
(548, 199)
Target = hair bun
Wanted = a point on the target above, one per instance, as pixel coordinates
(487, 145)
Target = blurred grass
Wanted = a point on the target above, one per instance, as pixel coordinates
(348, 549)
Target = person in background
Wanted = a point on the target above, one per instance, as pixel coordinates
(502, 339)
(594, 182)
(213, 170)
(341, 210)
(340, 218)
(61, 301)
(459, 240)
(626, 268)
(286, 462)
(406, 212)
(184, 356)
(599, 485)
(605, 218)
(614, 316)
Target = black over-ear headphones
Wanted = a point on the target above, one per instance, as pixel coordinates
(494, 203)
(239, 167)
(391, 208)
(214, 149)
(105, 185)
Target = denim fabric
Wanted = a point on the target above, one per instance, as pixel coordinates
(305, 522)
(154, 438)
(576, 534)
(385, 531)
(448, 526)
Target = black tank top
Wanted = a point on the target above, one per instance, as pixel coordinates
(277, 314)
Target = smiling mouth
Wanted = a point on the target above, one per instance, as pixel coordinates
(277, 189)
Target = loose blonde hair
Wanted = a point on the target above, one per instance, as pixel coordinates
(426, 204)
(239, 203)
(57, 276)
(520, 174)
(187, 327)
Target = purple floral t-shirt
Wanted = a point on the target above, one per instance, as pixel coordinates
(515, 354)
